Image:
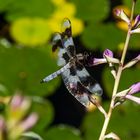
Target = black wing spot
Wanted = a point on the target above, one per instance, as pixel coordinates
(72, 71)
(66, 57)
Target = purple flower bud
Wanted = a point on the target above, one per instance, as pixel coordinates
(92, 61)
(127, 94)
(108, 55)
(108, 58)
(137, 18)
(97, 61)
(135, 88)
(137, 22)
(108, 52)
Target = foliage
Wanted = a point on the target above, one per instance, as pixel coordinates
(26, 28)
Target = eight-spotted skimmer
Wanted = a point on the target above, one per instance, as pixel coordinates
(75, 76)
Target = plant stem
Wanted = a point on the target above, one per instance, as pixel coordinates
(118, 76)
(116, 84)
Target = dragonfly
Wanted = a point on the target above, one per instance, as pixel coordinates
(76, 78)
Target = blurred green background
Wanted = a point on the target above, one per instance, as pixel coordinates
(26, 28)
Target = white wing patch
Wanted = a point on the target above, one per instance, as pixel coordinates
(96, 89)
(68, 42)
(61, 61)
(82, 73)
(84, 99)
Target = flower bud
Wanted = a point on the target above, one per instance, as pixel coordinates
(137, 22)
(108, 55)
(108, 52)
(135, 88)
(127, 94)
(96, 61)
(17, 109)
(120, 13)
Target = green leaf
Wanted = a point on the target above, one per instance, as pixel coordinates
(3, 90)
(45, 112)
(62, 132)
(30, 31)
(124, 121)
(92, 10)
(5, 4)
(134, 42)
(129, 77)
(31, 135)
(24, 68)
(98, 36)
(24, 8)
(92, 125)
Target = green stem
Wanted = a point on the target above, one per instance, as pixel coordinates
(116, 84)
(117, 80)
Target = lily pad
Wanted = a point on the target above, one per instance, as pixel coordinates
(92, 125)
(23, 68)
(92, 10)
(45, 113)
(61, 132)
(125, 122)
(16, 9)
(30, 31)
(102, 36)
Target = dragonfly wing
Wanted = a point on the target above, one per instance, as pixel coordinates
(75, 87)
(55, 74)
(87, 80)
